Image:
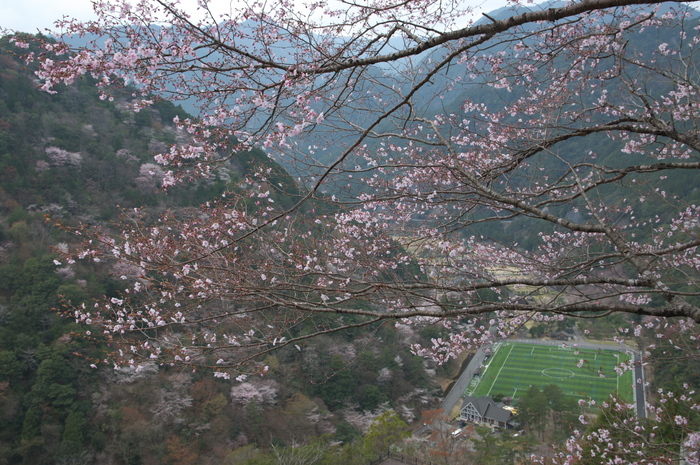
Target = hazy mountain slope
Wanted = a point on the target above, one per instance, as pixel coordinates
(82, 160)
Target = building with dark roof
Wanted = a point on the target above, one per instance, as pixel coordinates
(484, 410)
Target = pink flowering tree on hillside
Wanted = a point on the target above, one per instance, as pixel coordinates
(536, 164)
(405, 246)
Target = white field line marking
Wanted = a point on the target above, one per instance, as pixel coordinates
(499, 370)
(576, 375)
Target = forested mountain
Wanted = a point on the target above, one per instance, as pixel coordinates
(289, 330)
(74, 158)
(459, 83)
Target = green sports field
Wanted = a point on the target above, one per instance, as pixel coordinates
(513, 368)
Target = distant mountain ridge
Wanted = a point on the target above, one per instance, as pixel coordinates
(73, 148)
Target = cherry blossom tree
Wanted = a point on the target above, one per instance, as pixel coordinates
(149, 178)
(263, 392)
(405, 248)
(534, 164)
(60, 157)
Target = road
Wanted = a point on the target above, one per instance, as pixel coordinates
(639, 392)
(459, 386)
(463, 382)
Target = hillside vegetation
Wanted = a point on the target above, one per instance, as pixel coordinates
(74, 158)
(78, 159)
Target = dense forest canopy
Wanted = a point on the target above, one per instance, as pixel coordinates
(535, 165)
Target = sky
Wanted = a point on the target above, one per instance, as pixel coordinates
(30, 15)
(33, 15)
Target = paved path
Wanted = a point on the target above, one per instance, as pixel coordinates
(639, 393)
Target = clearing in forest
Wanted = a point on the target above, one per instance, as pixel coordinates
(514, 367)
